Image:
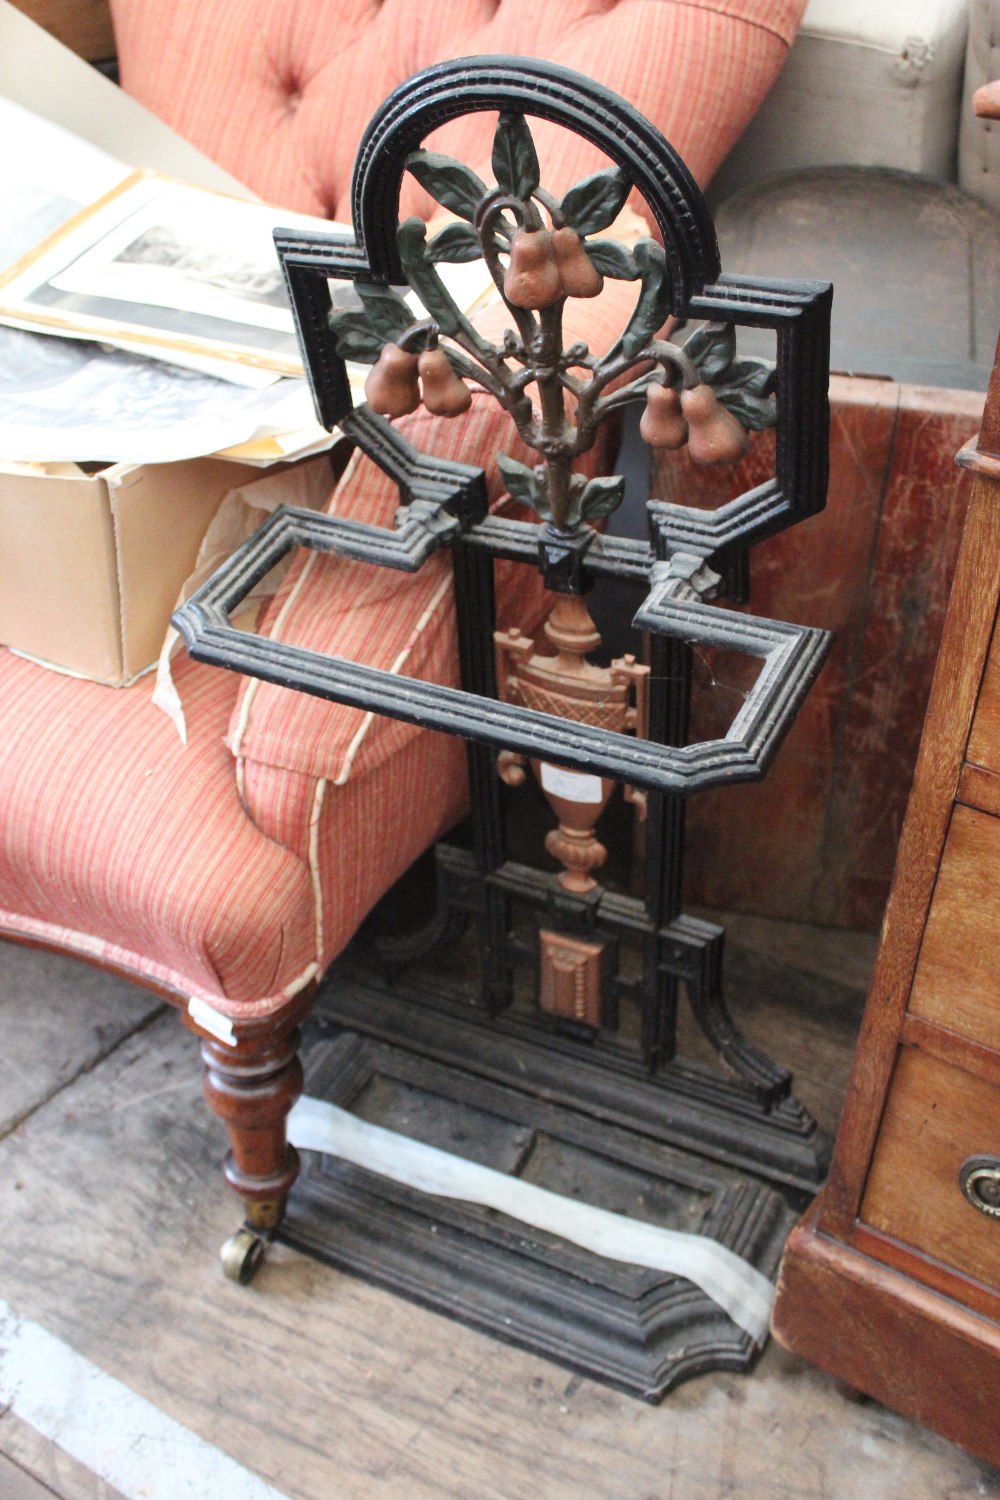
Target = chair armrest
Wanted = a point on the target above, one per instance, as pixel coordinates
(402, 622)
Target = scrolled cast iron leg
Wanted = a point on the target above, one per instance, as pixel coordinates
(769, 1080)
(446, 926)
(251, 1086)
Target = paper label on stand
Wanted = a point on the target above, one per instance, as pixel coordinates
(577, 786)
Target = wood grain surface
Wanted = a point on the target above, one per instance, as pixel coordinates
(951, 1047)
(17, 1484)
(964, 647)
(114, 1210)
(82, 25)
(955, 983)
(889, 1337)
(935, 1118)
(41, 1463)
(974, 1296)
(891, 1281)
(816, 840)
(980, 788)
(984, 741)
(89, 1016)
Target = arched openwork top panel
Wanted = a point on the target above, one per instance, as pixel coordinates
(533, 87)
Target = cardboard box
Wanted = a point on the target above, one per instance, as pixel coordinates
(91, 565)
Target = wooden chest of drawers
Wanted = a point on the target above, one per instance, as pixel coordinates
(892, 1281)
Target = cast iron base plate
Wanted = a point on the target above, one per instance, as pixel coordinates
(636, 1329)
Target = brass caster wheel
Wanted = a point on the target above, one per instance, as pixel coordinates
(242, 1255)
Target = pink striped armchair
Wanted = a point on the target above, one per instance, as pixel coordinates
(227, 873)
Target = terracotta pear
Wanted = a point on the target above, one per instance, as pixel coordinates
(392, 388)
(714, 435)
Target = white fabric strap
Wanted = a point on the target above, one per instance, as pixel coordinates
(738, 1288)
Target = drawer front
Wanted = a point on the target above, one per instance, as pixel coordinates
(938, 1121)
(957, 979)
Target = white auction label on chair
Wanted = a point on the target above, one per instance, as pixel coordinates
(575, 785)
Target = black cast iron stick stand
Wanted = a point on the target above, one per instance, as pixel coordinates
(749, 1120)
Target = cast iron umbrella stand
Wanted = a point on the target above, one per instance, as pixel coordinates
(579, 1088)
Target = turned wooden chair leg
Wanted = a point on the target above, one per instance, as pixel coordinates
(251, 1086)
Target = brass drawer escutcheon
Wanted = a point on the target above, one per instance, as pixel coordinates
(979, 1179)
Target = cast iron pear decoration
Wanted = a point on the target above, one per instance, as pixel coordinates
(443, 392)
(663, 424)
(540, 251)
(714, 435)
(532, 279)
(392, 387)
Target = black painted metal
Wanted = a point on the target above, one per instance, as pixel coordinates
(640, 1330)
(791, 656)
(528, 85)
(443, 505)
(684, 1105)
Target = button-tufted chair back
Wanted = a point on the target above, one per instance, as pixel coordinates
(279, 91)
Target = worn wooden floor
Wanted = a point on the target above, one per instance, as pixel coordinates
(330, 1389)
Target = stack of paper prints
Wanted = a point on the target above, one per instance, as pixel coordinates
(72, 402)
(184, 282)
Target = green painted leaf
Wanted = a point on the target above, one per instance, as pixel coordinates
(602, 496)
(452, 183)
(712, 347)
(613, 259)
(595, 201)
(757, 377)
(744, 386)
(455, 243)
(753, 411)
(387, 313)
(354, 338)
(515, 162)
(522, 484)
(422, 277)
(650, 312)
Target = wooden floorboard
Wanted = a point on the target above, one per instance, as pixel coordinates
(15, 1484)
(114, 1209)
(81, 1017)
(46, 1471)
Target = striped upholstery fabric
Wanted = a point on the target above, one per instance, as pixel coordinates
(235, 868)
(281, 102)
(119, 842)
(401, 622)
(358, 837)
(356, 795)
